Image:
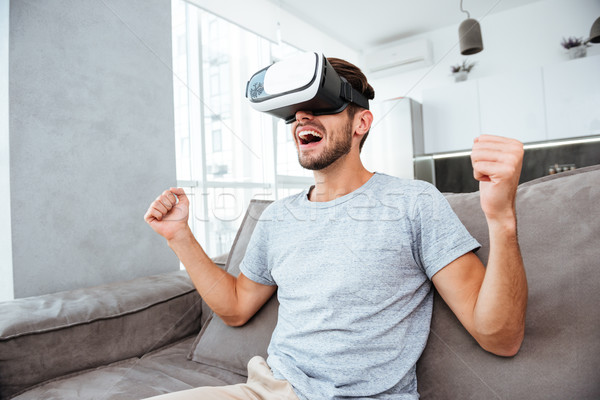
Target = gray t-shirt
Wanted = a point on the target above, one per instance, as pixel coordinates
(353, 277)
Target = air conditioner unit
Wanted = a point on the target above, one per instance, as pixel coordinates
(398, 57)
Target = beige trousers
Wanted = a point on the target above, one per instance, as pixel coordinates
(261, 385)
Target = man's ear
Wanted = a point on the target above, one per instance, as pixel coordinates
(362, 122)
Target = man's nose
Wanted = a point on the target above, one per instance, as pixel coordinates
(304, 115)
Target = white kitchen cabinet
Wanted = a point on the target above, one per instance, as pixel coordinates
(572, 95)
(542, 104)
(450, 117)
(512, 105)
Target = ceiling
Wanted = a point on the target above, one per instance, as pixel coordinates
(361, 24)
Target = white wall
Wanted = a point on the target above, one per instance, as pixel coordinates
(6, 283)
(262, 17)
(518, 39)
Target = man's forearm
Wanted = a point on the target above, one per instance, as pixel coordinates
(499, 313)
(216, 286)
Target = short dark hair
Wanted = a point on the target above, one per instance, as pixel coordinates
(358, 80)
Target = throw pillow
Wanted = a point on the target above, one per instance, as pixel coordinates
(230, 348)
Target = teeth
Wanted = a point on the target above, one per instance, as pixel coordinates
(304, 134)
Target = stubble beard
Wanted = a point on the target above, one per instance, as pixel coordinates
(338, 148)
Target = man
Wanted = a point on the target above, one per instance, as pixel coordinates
(353, 258)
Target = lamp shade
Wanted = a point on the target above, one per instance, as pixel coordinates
(595, 31)
(469, 33)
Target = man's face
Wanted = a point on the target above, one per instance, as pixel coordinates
(321, 140)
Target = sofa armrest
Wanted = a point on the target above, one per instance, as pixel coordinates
(49, 336)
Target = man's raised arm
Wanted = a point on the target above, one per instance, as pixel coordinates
(233, 299)
(491, 302)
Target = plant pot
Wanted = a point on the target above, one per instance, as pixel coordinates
(577, 52)
(460, 76)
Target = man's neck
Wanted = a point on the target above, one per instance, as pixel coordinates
(340, 178)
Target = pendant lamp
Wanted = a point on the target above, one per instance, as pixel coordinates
(595, 32)
(469, 34)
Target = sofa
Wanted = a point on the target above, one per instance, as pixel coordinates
(154, 335)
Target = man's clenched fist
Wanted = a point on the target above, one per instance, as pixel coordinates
(168, 214)
(497, 166)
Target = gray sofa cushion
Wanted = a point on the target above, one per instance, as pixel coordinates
(229, 347)
(163, 371)
(559, 235)
(45, 337)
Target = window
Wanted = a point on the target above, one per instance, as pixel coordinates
(227, 153)
(217, 142)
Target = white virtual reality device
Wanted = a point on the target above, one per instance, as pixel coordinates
(306, 82)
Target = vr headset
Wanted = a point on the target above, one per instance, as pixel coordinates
(306, 82)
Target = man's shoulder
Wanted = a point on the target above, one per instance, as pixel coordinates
(388, 183)
(277, 206)
(286, 201)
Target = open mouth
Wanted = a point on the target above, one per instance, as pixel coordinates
(306, 137)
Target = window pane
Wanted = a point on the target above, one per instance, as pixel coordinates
(225, 208)
(222, 143)
(229, 56)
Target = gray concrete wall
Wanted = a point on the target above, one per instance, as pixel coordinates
(91, 140)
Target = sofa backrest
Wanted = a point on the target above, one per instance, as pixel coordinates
(230, 348)
(238, 249)
(559, 236)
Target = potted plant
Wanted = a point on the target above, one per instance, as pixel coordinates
(576, 47)
(461, 71)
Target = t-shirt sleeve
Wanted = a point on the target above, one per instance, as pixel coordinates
(255, 263)
(440, 235)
